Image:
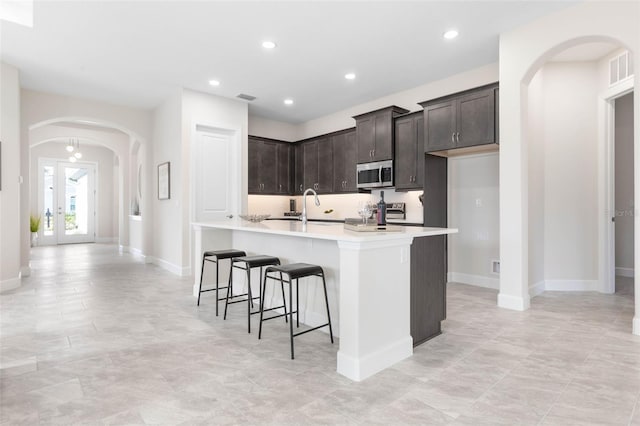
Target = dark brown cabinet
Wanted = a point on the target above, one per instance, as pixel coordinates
(298, 179)
(375, 135)
(409, 151)
(317, 159)
(462, 120)
(269, 165)
(344, 161)
(429, 257)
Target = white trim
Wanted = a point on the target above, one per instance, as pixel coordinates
(514, 303)
(537, 289)
(106, 240)
(10, 284)
(363, 367)
(636, 325)
(475, 280)
(571, 285)
(123, 249)
(476, 155)
(625, 272)
(182, 271)
(25, 271)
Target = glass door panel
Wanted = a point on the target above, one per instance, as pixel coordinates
(76, 207)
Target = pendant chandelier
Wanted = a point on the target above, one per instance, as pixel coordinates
(73, 148)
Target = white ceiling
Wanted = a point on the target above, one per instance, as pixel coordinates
(137, 53)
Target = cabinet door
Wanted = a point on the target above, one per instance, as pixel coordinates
(405, 130)
(253, 163)
(283, 168)
(365, 138)
(325, 166)
(299, 170)
(440, 126)
(310, 161)
(350, 151)
(338, 145)
(419, 155)
(383, 146)
(268, 162)
(476, 119)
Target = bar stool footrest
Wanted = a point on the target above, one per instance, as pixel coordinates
(311, 329)
(277, 316)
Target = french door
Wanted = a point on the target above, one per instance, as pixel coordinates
(67, 200)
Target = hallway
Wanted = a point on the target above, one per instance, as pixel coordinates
(98, 337)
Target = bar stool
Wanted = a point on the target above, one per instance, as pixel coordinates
(215, 257)
(250, 262)
(294, 271)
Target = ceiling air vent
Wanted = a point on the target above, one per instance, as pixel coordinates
(246, 97)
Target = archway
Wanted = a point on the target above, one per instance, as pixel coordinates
(521, 55)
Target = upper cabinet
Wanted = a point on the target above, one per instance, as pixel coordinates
(409, 151)
(462, 120)
(269, 166)
(375, 134)
(317, 159)
(344, 161)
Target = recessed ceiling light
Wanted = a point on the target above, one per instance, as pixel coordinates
(350, 76)
(214, 82)
(450, 35)
(288, 101)
(268, 44)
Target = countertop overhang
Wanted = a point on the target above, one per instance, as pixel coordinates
(323, 230)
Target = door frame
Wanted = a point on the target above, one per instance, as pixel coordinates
(56, 162)
(607, 270)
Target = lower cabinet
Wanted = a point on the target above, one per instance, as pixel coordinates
(428, 287)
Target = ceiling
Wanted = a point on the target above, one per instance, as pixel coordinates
(137, 53)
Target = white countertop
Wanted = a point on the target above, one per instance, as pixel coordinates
(323, 230)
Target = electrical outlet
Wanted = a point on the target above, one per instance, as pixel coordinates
(495, 267)
(478, 202)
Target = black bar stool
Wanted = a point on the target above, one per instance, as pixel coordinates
(249, 262)
(295, 271)
(215, 257)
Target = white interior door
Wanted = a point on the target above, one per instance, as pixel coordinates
(216, 175)
(75, 193)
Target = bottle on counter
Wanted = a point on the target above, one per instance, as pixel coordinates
(382, 210)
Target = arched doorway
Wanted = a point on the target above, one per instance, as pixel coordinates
(521, 55)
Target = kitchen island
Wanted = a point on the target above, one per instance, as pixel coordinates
(368, 280)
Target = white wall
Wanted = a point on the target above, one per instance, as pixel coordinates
(167, 215)
(625, 206)
(473, 209)
(522, 52)
(11, 219)
(563, 177)
(105, 191)
(273, 129)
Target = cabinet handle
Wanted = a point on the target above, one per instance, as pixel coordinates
(300, 187)
(374, 152)
(453, 137)
(280, 187)
(458, 137)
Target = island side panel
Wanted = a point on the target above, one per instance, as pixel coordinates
(374, 306)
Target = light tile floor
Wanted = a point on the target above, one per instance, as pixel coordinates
(95, 337)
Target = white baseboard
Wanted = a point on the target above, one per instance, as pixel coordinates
(360, 368)
(137, 252)
(636, 325)
(536, 289)
(625, 272)
(571, 285)
(476, 280)
(10, 284)
(183, 271)
(123, 249)
(514, 303)
(25, 271)
(106, 240)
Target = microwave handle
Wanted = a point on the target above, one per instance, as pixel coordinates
(380, 175)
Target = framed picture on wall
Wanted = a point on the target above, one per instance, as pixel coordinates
(164, 186)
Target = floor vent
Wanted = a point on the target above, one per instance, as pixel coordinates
(246, 97)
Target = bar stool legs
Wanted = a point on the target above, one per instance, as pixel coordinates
(216, 257)
(294, 272)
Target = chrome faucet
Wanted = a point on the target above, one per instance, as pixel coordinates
(303, 218)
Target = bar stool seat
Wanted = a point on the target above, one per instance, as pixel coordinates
(294, 271)
(215, 256)
(246, 263)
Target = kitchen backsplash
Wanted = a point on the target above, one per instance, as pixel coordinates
(343, 205)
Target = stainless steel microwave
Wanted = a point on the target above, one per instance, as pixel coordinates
(375, 175)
